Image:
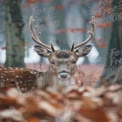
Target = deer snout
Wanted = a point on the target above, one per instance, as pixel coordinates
(63, 75)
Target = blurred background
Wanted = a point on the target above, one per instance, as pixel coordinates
(60, 22)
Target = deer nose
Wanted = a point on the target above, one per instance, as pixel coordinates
(63, 74)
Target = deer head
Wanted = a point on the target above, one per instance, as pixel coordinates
(63, 62)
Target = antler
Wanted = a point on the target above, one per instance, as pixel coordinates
(91, 32)
(36, 38)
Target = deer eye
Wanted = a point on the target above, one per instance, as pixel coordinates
(52, 62)
(74, 61)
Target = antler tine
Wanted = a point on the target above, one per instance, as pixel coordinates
(73, 45)
(52, 48)
(35, 36)
(91, 32)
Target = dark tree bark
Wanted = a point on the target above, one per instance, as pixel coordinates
(14, 38)
(114, 56)
(61, 37)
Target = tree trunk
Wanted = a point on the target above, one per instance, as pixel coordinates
(114, 56)
(14, 38)
(61, 37)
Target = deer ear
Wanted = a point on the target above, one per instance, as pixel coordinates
(42, 51)
(84, 51)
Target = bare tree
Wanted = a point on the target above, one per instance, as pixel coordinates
(114, 56)
(14, 38)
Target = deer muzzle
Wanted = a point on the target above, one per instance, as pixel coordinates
(63, 75)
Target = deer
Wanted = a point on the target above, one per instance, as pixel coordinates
(61, 68)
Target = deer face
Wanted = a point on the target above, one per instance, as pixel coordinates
(63, 62)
